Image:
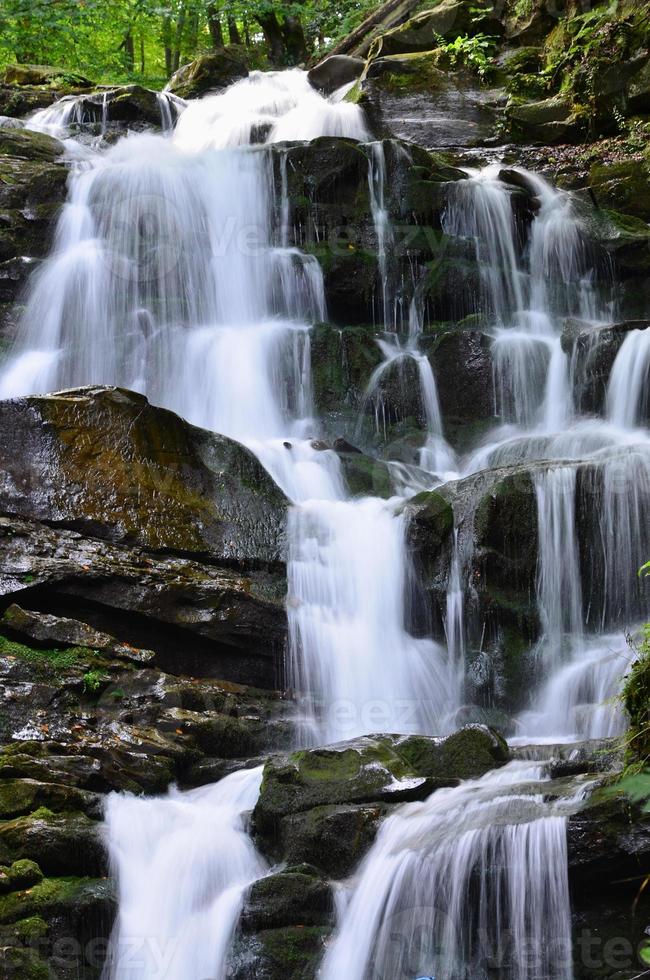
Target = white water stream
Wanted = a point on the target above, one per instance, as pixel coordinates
(169, 276)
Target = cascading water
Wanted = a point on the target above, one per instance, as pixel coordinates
(169, 276)
(471, 883)
(183, 863)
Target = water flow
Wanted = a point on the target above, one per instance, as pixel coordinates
(627, 391)
(471, 883)
(183, 863)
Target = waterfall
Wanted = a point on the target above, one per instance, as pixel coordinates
(471, 883)
(627, 391)
(183, 863)
(173, 274)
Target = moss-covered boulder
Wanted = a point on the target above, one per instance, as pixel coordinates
(289, 953)
(299, 895)
(21, 74)
(210, 72)
(106, 460)
(372, 769)
(66, 843)
(552, 120)
(608, 842)
(332, 837)
(622, 186)
(19, 875)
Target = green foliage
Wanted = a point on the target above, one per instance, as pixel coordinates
(146, 40)
(476, 52)
(93, 680)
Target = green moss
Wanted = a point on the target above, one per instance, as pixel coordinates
(636, 698)
(45, 898)
(32, 929)
(47, 659)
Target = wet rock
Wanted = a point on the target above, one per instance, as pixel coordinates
(291, 953)
(197, 617)
(551, 120)
(333, 72)
(19, 797)
(19, 875)
(297, 896)
(62, 843)
(334, 838)
(463, 366)
(623, 186)
(210, 72)
(32, 188)
(372, 769)
(594, 351)
(608, 842)
(58, 630)
(105, 460)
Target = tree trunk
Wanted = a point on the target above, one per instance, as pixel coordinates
(214, 26)
(142, 54)
(273, 36)
(129, 51)
(295, 45)
(233, 31)
(180, 27)
(167, 43)
(389, 15)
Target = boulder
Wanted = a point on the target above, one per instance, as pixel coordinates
(593, 351)
(299, 895)
(289, 953)
(463, 367)
(105, 461)
(622, 186)
(607, 843)
(210, 72)
(62, 843)
(20, 74)
(551, 120)
(371, 769)
(332, 837)
(334, 72)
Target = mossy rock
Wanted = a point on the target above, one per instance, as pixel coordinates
(21, 796)
(24, 144)
(622, 186)
(19, 963)
(22, 74)
(291, 953)
(19, 875)
(364, 770)
(210, 72)
(53, 897)
(127, 471)
(467, 754)
(65, 843)
(334, 838)
(296, 896)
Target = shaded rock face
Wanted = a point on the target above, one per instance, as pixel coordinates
(32, 189)
(26, 88)
(593, 353)
(106, 462)
(211, 72)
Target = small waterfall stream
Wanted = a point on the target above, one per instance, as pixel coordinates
(169, 276)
